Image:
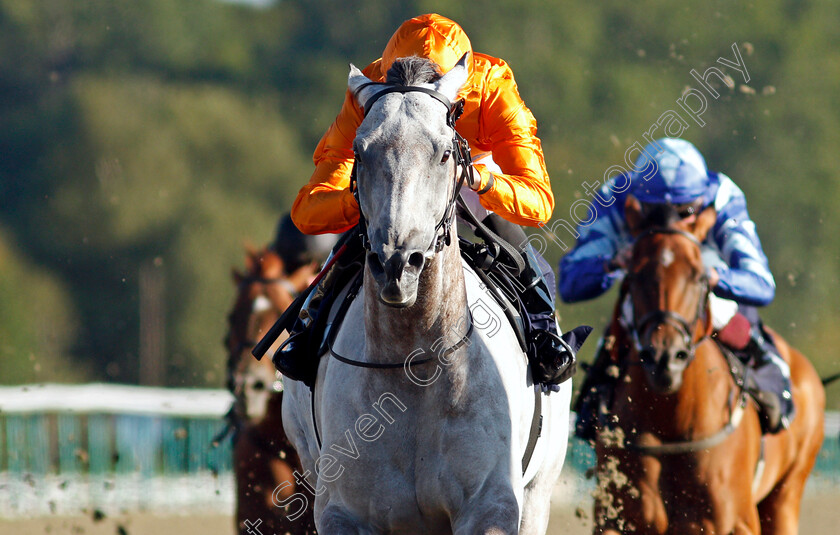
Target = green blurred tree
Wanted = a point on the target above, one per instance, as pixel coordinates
(164, 133)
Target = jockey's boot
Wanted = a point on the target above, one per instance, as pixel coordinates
(298, 358)
(768, 381)
(597, 381)
(553, 356)
(767, 375)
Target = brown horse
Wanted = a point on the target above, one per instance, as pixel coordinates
(681, 450)
(264, 461)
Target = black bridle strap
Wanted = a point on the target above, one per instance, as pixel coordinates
(403, 89)
(658, 317)
(463, 159)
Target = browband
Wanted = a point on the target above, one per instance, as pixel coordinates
(402, 89)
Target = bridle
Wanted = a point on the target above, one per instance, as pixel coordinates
(460, 148)
(737, 398)
(655, 318)
(248, 342)
(443, 228)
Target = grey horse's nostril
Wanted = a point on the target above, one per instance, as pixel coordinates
(682, 355)
(259, 385)
(416, 260)
(375, 263)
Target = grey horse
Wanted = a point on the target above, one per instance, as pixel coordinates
(425, 433)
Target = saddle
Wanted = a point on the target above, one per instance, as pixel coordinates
(478, 256)
(495, 260)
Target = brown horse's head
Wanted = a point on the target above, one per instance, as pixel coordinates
(669, 291)
(264, 291)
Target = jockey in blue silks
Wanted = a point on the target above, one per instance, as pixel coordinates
(735, 263)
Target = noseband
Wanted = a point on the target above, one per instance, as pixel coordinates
(463, 159)
(653, 319)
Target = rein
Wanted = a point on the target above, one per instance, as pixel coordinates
(408, 363)
(689, 446)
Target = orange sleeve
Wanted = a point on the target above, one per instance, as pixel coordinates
(325, 203)
(522, 194)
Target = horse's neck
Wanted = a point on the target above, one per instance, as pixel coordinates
(392, 334)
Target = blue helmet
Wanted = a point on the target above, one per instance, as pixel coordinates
(680, 175)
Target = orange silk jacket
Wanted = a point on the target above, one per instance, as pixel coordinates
(495, 120)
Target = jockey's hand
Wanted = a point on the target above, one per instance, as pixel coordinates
(621, 259)
(302, 277)
(714, 277)
(476, 177)
(485, 160)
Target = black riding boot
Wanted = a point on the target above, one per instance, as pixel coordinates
(767, 374)
(768, 382)
(596, 384)
(298, 358)
(553, 356)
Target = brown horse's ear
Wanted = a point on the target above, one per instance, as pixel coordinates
(633, 215)
(250, 263)
(705, 220)
(251, 258)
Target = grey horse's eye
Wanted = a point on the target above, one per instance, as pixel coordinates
(446, 154)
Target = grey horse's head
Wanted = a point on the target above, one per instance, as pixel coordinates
(406, 172)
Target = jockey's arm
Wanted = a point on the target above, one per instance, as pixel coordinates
(522, 193)
(325, 203)
(585, 272)
(746, 276)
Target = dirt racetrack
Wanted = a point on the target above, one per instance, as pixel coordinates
(820, 516)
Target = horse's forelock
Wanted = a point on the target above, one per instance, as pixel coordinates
(413, 70)
(661, 215)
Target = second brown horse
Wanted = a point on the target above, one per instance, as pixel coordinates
(264, 460)
(682, 452)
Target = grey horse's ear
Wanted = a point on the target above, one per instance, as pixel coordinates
(355, 81)
(452, 82)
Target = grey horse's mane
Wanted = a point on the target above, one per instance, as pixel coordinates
(413, 70)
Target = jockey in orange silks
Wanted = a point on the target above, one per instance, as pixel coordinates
(510, 186)
(495, 120)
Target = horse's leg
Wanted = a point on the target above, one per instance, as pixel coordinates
(536, 506)
(492, 511)
(335, 520)
(252, 482)
(749, 525)
(536, 502)
(779, 511)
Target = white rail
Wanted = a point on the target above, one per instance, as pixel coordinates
(114, 399)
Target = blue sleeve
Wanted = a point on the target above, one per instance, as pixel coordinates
(584, 278)
(582, 272)
(747, 279)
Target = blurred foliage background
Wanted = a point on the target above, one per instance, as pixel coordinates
(143, 142)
